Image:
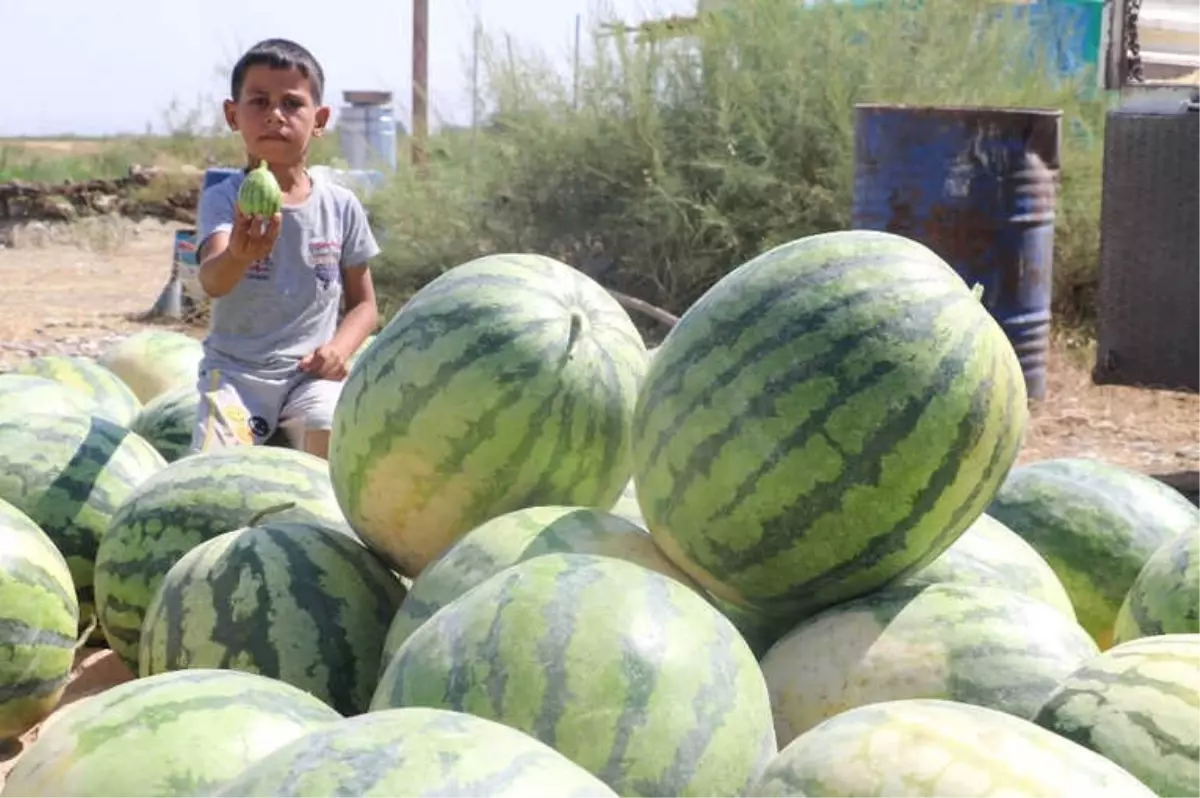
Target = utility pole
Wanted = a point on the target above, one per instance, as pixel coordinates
(420, 83)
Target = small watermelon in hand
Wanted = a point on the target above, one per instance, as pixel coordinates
(260, 194)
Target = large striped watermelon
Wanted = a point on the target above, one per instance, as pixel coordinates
(316, 617)
(39, 616)
(167, 421)
(26, 393)
(828, 417)
(507, 382)
(1165, 597)
(929, 748)
(1138, 705)
(176, 734)
(70, 473)
(1096, 524)
(190, 501)
(89, 378)
(623, 670)
(978, 645)
(511, 538)
(152, 362)
(992, 555)
(416, 752)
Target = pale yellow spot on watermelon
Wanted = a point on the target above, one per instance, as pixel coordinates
(420, 523)
(844, 660)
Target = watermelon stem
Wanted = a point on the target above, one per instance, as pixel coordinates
(278, 508)
(576, 328)
(82, 640)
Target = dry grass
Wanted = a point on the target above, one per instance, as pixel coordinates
(60, 146)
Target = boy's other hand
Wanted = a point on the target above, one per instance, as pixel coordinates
(325, 363)
(250, 240)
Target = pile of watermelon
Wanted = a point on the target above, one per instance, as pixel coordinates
(787, 552)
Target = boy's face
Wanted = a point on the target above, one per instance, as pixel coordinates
(276, 115)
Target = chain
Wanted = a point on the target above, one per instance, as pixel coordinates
(1133, 49)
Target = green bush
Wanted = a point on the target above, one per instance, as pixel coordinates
(681, 158)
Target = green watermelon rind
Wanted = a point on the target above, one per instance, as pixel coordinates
(1096, 524)
(190, 501)
(70, 474)
(985, 646)
(933, 748)
(1138, 705)
(513, 538)
(416, 751)
(183, 733)
(1165, 597)
(626, 672)
(316, 619)
(519, 376)
(989, 554)
(39, 618)
(86, 375)
(842, 381)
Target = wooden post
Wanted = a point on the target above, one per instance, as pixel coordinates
(420, 83)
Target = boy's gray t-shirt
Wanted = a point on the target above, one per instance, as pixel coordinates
(286, 306)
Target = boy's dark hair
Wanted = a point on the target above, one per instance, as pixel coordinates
(279, 54)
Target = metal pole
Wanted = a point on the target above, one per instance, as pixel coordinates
(475, 102)
(420, 82)
(575, 90)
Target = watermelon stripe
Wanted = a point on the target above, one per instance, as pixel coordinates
(28, 573)
(168, 709)
(825, 356)
(419, 752)
(1136, 704)
(547, 374)
(300, 603)
(610, 720)
(70, 474)
(853, 413)
(182, 733)
(878, 547)
(956, 749)
(977, 645)
(33, 686)
(88, 377)
(403, 416)
(864, 466)
(813, 336)
(192, 500)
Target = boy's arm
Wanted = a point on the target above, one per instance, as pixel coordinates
(226, 255)
(362, 312)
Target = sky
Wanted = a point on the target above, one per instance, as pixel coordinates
(93, 68)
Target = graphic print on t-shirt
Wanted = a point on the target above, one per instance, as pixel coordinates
(260, 269)
(325, 255)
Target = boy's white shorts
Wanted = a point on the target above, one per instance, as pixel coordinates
(240, 409)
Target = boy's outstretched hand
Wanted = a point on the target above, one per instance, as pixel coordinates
(325, 363)
(250, 240)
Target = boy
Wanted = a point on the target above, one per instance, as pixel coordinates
(275, 354)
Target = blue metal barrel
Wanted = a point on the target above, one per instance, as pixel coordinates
(215, 174)
(978, 187)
